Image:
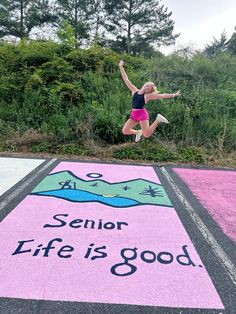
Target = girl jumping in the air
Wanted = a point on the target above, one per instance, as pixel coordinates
(139, 115)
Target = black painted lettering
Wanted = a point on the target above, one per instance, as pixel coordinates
(146, 259)
(21, 243)
(87, 222)
(109, 225)
(62, 222)
(76, 223)
(165, 261)
(184, 259)
(89, 250)
(65, 248)
(131, 268)
(36, 252)
(100, 224)
(98, 250)
(119, 224)
(50, 247)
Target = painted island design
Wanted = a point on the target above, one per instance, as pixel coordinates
(68, 186)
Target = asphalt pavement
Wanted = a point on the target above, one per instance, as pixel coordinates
(96, 237)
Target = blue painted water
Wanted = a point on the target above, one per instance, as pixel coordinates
(84, 196)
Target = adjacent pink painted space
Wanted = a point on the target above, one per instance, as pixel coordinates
(77, 278)
(216, 191)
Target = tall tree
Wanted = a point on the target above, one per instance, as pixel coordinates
(19, 17)
(217, 46)
(137, 24)
(232, 43)
(97, 21)
(78, 14)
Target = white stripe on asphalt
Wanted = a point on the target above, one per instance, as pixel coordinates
(14, 194)
(219, 252)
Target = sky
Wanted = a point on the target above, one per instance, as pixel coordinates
(199, 21)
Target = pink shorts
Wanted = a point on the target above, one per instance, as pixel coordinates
(139, 114)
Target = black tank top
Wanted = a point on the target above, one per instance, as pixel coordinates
(138, 101)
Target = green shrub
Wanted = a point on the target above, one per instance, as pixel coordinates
(71, 149)
(56, 70)
(93, 59)
(36, 53)
(145, 151)
(64, 149)
(108, 127)
(40, 148)
(190, 154)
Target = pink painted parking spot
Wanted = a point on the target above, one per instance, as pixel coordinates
(102, 233)
(216, 191)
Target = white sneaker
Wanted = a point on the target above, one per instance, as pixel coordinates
(162, 119)
(138, 136)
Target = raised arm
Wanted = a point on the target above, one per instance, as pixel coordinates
(161, 96)
(125, 77)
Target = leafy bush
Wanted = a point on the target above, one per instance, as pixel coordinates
(190, 154)
(56, 70)
(145, 151)
(36, 53)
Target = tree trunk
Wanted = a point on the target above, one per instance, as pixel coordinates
(129, 27)
(22, 35)
(76, 23)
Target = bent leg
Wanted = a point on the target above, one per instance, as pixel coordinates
(148, 130)
(128, 127)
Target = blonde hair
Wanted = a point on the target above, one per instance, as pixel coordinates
(154, 88)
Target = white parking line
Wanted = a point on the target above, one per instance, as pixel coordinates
(19, 190)
(216, 248)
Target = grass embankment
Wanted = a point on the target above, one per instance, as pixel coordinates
(73, 102)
